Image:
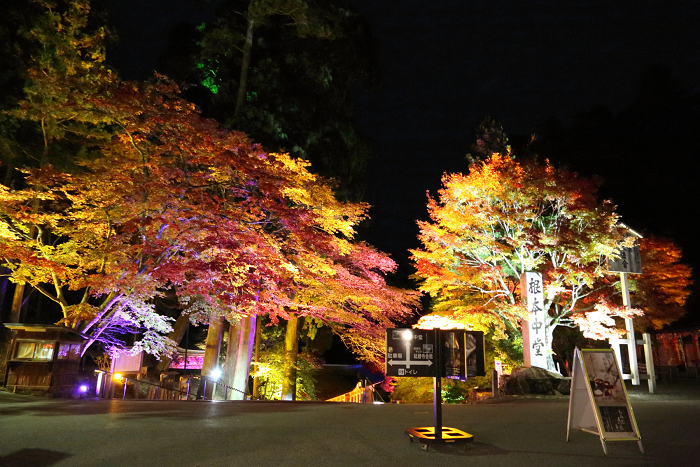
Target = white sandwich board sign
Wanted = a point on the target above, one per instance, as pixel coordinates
(599, 403)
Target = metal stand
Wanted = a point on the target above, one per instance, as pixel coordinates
(426, 436)
(438, 434)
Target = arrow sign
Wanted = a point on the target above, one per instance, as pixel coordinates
(408, 362)
(409, 352)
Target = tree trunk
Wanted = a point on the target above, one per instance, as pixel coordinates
(549, 336)
(213, 345)
(245, 65)
(291, 349)
(178, 332)
(256, 360)
(236, 371)
(17, 299)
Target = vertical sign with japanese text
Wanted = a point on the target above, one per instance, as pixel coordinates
(534, 335)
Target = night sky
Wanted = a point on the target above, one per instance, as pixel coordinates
(447, 64)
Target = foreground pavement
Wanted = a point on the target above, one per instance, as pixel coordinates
(517, 432)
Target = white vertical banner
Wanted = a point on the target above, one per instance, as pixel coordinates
(534, 335)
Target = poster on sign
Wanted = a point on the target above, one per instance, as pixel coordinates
(598, 402)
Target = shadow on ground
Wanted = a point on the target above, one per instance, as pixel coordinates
(33, 457)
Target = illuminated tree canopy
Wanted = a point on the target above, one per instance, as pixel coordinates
(507, 217)
(662, 289)
(162, 200)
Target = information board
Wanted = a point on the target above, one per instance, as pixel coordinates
(126, 362)
(629, 260)
(414, 352)
(410, 352)
(598, 402)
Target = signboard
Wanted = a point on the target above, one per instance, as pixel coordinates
(410, 352)
(534, 335)
(629, 260)
(598, 402)
(125, 362)
(413, 352)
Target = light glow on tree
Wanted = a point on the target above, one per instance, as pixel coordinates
(507, 217)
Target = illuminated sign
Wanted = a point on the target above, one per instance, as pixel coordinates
(415, 352)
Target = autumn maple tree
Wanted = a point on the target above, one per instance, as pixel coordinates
(509, 216)
(166, 202)
(174, 202)
(663, 287)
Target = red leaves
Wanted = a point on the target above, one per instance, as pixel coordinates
(174, 202)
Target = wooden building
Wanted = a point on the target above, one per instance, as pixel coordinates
(677, 354)
(43, 359)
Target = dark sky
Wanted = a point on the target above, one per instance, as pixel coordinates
(446, 64)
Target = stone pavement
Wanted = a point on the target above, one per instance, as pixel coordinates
(514, 432)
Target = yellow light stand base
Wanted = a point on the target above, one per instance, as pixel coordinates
(426, 436)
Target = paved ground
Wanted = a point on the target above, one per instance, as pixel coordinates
(523, 432)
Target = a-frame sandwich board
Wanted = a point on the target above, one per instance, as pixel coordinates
(598, 402)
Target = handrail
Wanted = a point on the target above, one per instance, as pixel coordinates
(201, 395)
(359, 395)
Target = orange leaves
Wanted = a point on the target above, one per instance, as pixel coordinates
(664, 286)
(168, 201)
(504, 218)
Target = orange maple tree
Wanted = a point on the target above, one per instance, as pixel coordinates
(664, 285)
(506, 217)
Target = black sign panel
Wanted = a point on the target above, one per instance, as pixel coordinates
(410, 352)
(413, 352)
(629, 260)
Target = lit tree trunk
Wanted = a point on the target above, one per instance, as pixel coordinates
(549, 336)
(291, 349)
(256, 360)
(17, 299)
(213, 345)
(236, 369)
(245, 354)
(178, 332)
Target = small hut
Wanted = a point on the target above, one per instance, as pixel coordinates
(43, 358)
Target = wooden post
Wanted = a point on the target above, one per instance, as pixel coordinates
(629, 324)
(649, 357)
